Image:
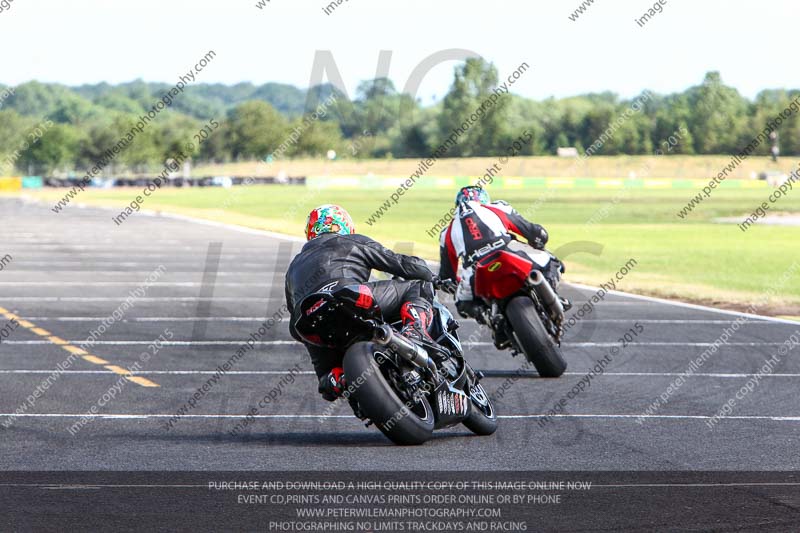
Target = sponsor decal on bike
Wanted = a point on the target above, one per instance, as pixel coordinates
(494, 266)
(451, 403)
(314, 308)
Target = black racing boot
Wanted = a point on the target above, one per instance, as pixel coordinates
(417, 318)
(471, 309)
(500, 332)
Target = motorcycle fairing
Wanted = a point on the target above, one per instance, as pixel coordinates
(501, 274)
(442, 327)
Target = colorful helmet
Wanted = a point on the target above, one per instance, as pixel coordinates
(472, 193)
(329, 218)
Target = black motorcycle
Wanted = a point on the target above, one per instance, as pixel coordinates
(407, 388)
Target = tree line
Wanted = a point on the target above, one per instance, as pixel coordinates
(69, 128)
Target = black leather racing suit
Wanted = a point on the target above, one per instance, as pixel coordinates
(350, 259)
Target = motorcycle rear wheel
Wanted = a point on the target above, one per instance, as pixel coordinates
(379, 402)
(531, 335)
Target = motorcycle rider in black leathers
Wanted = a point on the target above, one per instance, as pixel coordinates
(334, 254)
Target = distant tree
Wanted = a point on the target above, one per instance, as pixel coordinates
(473, 84)
(117, 101)
(12, 132)
(174, 132)
(376, 105)
(286, 99)
(255, 130)
(710, 118)
(142, 152)
(317, 138)
(57, 148)
(719, 116)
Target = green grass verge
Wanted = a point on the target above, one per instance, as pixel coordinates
(694, 259)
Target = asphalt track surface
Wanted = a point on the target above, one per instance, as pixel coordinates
(72, 270)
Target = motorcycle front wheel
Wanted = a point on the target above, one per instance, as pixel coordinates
(482, 419)
(403, 422)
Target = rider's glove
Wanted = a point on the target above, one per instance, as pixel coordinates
(541, 238)
(447, 285)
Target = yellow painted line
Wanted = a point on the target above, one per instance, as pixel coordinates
(95, 360)
(144, 382)
(75, 350)
(118, 370)
(9, 315)
(58, 341)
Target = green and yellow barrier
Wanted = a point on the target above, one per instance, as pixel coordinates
(10, 183)
(518, 182)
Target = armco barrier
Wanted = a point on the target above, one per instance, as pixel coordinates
(516, 182)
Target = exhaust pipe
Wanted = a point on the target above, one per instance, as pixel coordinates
(548, 295)
(385, 336)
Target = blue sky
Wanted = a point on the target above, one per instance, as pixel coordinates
(87, 41)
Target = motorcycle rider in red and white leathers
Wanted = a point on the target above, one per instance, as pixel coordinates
(478, 228)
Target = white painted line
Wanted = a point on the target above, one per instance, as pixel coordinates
(145, 299)
(652, 299)
(261, 319)
(675, 374)
(668, 321)
(665, 417)
(232, 227)
(124, 284)
(112, 247)
(670, 485)
(163, 343)
(78, 486)
(146, 416)
(290, 342)
(309, 372)
(25, 274)
(151, 319)
(172, 265)
(163, 372)
(699, 344)
(302, 416)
